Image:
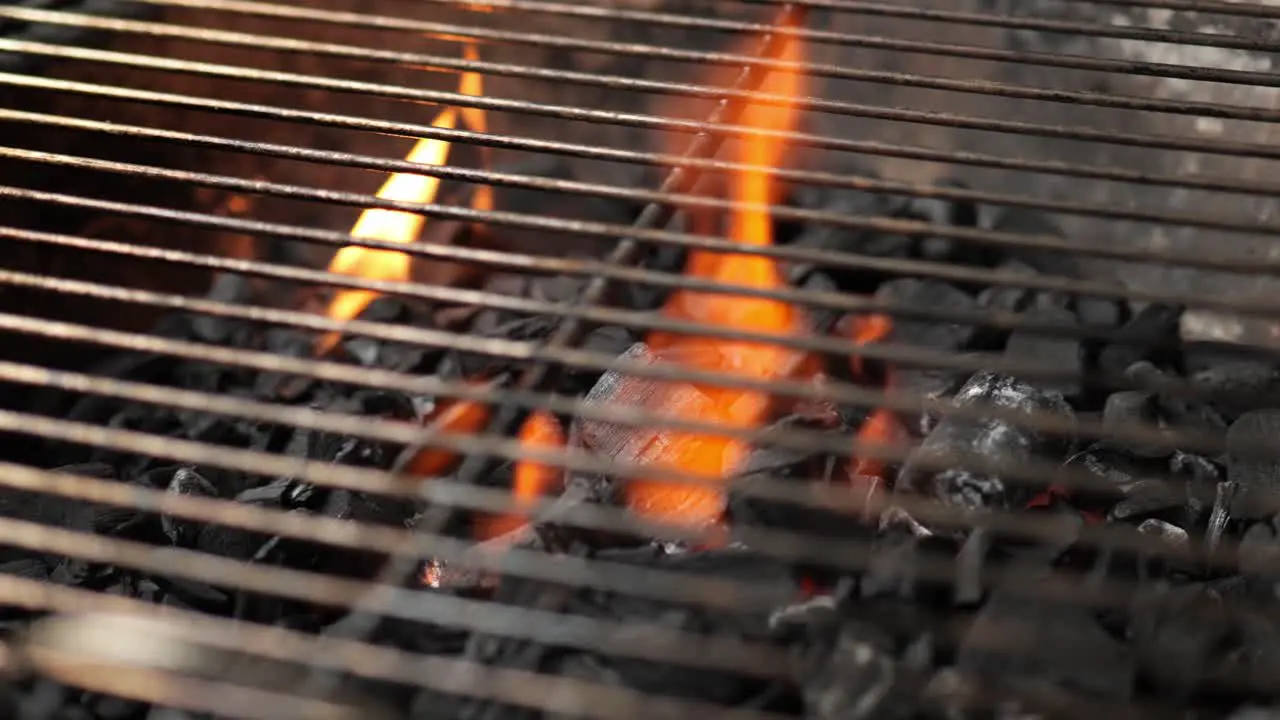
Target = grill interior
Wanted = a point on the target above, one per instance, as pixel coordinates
(1013, 455)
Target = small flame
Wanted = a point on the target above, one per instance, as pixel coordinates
(868, 474)
(532, 479)
(457, 416)
(395, 226)
(864, 330)
(708, 455)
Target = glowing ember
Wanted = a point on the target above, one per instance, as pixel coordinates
(864, 330)
(867, 474)
(396, 226)
(708, 455)
(451, 416)
(532, 479)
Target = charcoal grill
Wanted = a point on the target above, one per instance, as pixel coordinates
(177, 174)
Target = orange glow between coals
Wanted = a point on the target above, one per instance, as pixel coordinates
(457, 416)
(395, 226)
(702, 454)
(531, 479)
(864, 330)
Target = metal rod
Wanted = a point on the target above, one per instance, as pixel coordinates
(835, 392)
(867, 184)
(635, 640)
(552, 694)
(1122, 32)
(731, 59)
(622, 415)
(503, 446)
(919, 268)
(633, 580)
(208, 104)
(300, 80)
(296, 45)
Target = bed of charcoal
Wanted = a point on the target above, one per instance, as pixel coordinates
(960, 619)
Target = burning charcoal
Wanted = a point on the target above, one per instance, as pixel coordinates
(1061, 354)
(1099, 312)
(1034, 636)
(1008, 298)
(1130, 409)
(1113, 475)
(855, 675)
(558, 288)
(1171, 534)
(768, 464)
(1260, 552)
(1154, 328)
(227, 288)
(186, 481)
(940, 336)
(931, 468)
(1253, 464)
(1147, 497)
(610, 340)
(1179, 635)
(1235, 388)
(969, 564)
(926, 295)
(847, 202)
(30, 568)
(1023, 221)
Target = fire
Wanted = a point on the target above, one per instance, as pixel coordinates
(456, 416)
(396, 226)
(532, 479)
(708, 455)
(864, 330)
(868, 475)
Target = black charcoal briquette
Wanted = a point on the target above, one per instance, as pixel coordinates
(1061, 354)
(1253, 463)
(933, 467)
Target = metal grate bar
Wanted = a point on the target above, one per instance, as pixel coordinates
(835, 392)
(1251, 306)
(265, 9)
(489, 177)
(649, 642)
(857, 7)
(621, 82)
(1075, 62)
(730, 596)
(842, 554)
(854, 146)
(909, 228)
(239, 72)
(518, 687)
(907, 355)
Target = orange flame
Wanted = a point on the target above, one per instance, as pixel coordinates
(705, 454)
(882, 428)
(456, 416)
(532, 479)
(864, 330)
(395, 226)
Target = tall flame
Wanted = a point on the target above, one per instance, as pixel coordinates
(395, 226)
(709, 455)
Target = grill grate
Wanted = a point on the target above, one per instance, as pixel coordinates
(285, 113)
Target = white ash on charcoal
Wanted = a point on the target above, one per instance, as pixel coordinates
(932, 468)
